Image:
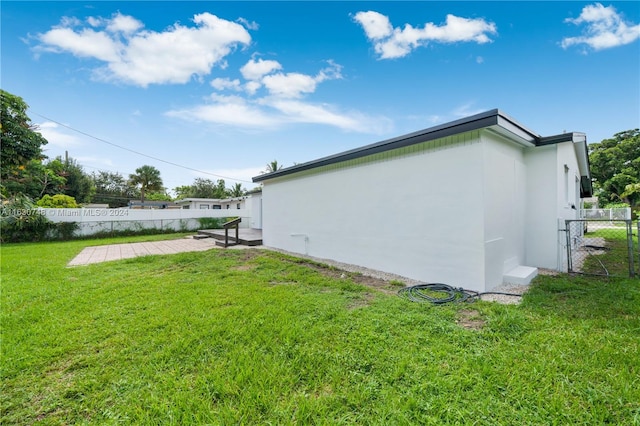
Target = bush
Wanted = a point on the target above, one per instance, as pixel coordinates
(213, 222)
(58, 201)
(20, 220)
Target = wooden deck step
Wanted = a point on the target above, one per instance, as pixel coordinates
(247, 237)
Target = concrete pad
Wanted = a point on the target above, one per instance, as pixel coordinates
(520, 275)
(111, 252)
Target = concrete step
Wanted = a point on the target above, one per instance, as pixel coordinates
(220, 243)
(520, 275)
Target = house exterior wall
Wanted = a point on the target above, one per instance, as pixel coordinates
(541, 217)
(254, 204)
(346, 212)
(553, 190)
(212, 203)
(475, 200)
(504, 207)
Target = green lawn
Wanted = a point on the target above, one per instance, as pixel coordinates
(256, 337)
(614, 260)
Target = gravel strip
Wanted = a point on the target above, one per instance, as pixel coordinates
(499, 298)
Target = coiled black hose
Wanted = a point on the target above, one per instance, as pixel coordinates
(444, 293)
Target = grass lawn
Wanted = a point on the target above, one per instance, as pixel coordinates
(614, 260)
(256, 337)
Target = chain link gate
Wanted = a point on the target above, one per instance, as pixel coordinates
(602, 247)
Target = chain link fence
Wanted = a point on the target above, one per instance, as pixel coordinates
(602, 247)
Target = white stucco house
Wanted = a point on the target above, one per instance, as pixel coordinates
(252, 203)
(236, 203)
(472, 203)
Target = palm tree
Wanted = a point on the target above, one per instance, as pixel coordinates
(273, 166)
(148, 178)
(236, 191)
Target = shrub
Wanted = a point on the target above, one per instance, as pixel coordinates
(20, 220)
(58, 201)
(213, 222)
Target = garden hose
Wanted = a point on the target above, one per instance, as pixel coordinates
(438, 294)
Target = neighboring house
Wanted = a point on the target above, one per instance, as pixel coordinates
(137, 204)
(472, 203)
(212, 203)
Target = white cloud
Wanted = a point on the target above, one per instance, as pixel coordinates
(255, 70)
(56, 135)
(604, 28)
(304, 112)
(466, 110)
(124, 24)
(252, 87)
(290, 85)
(141, 57)
(281, 103)
(228, 110)
(249, 25)
(389, 42)
(225, 83)
(85, 43)
(461, 111)
(376, 25)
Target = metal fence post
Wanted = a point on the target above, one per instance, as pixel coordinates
(632, 269)
(567, 226)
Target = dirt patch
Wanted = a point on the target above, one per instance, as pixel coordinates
(358, 278)
(470, 319)
(244, 267)
(363, 301)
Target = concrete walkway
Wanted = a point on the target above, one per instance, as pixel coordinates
(107, 253)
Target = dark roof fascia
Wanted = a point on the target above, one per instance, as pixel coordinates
(555, 139)
(486, 119)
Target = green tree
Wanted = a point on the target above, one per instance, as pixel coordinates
(236, 190)
(59, 201)
(79, 184)
(34, 180)
(158, 196)
(20, 221)
(615, 166)
(113, 189)
(147, 178)
(273, 166)
(21, 142)
(183, 191)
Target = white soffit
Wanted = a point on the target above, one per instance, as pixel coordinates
(512, 131)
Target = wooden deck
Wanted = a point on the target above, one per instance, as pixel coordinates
(246, 236)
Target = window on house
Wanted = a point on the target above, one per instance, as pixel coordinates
(217, 207)
(228, 206)
(238, 206)
(204, 206)
(186, 207)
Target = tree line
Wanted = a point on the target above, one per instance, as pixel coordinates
(61, 182)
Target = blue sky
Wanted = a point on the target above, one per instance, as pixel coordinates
(222, 88)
